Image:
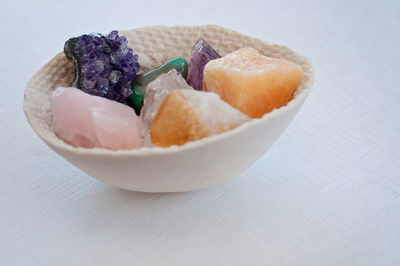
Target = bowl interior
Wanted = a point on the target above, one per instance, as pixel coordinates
(154, 45)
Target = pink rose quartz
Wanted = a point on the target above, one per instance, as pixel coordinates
(83, 120)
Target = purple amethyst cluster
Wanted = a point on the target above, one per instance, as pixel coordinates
(104, 65)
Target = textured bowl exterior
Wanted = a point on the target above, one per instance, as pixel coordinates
(192, 166)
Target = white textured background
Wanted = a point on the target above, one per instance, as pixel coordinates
(326, 193)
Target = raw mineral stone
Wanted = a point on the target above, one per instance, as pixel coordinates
(104, 65)
(201, 54)
(252, 82)
(188, 115)
(140, 83)
(83, 120)
(155, 94)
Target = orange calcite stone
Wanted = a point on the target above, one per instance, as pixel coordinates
(251, 82)
(189, 115)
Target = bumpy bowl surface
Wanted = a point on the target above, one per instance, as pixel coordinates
(192, 166)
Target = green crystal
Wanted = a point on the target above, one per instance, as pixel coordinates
(139, 84)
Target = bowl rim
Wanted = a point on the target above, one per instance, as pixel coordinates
(300, 94)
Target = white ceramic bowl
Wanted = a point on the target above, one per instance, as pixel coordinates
(192, 166)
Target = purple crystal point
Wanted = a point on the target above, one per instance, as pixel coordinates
(104, 66)
(202, 53)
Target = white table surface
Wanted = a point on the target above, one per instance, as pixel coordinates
(326, 193)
